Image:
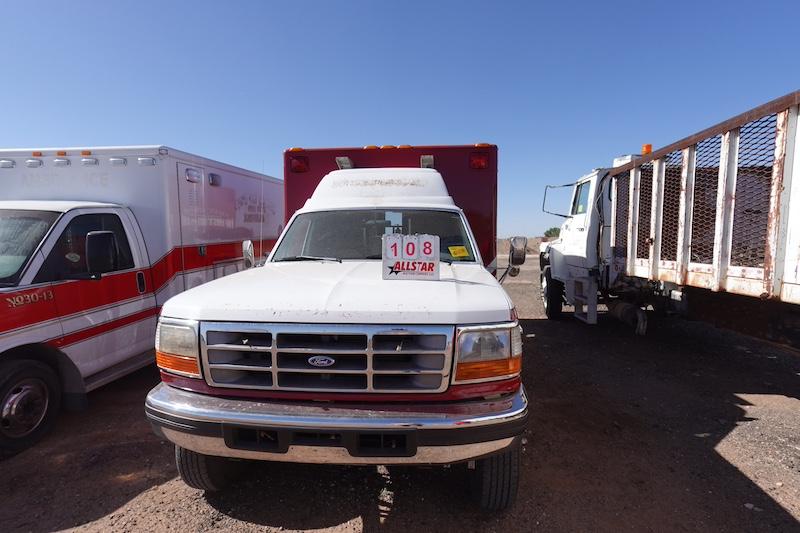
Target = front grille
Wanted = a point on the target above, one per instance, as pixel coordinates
(384, 359)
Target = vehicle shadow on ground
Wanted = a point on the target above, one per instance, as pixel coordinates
(623, 436)
(93, 463)
(293, 496)
(629, 432)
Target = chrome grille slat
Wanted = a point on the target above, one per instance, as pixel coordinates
(241, 348)
(419, 365)
(251, 368)
(402, 372)
(291, 370)
(315, 351)
(415, 352)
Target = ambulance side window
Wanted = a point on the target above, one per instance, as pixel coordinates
(67, 258)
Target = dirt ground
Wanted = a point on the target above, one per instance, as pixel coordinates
(687, 429)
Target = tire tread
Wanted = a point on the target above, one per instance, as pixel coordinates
(200, 471)
(497, 479)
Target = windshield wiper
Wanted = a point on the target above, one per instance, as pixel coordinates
(308, 258)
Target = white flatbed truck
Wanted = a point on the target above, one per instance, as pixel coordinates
(708, 225)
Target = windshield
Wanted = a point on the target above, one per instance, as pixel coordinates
(357, 234)
(20, 234)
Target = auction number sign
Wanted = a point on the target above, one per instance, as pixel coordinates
(410, 256)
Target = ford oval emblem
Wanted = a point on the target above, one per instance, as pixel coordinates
(321, 361)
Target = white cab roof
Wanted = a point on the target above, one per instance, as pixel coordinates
(381, 187)
(59, 206)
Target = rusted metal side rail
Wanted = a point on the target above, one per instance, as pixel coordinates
(717, 209)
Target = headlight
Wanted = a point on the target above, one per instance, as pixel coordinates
(485, 353)
(177, 347)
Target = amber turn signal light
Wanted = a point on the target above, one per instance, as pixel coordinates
(178, 363)
(488, 369)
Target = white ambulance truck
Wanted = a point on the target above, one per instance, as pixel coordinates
(92, 242)
(356, 352)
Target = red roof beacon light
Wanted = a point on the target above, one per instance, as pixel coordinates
(298, 163)
(478, 160)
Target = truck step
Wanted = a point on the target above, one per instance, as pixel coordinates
(585, 299)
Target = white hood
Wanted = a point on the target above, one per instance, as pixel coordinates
(351, 292)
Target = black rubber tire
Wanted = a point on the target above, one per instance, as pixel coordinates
(552, 294)
(495, 479)
(12, 374)
(204, 472)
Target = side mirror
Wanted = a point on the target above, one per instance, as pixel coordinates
(516, 255)
(101, 253)
(248, 254)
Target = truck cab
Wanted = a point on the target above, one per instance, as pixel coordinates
(575, 265)
(575, 249)
(319, 356)
(49, 251)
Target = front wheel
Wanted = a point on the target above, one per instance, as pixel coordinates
(204, 472)
(495, 479)
(552, 294)
(30, 397)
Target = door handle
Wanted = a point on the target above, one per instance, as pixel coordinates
(140, 283)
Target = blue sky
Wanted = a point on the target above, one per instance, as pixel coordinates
(560, 87)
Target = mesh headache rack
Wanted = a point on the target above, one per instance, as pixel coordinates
(712, 210)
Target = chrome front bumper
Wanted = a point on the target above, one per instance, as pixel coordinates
(337, 433)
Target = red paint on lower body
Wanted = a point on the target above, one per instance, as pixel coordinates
(454, 393)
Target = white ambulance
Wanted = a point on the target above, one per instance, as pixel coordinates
(92, 242)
